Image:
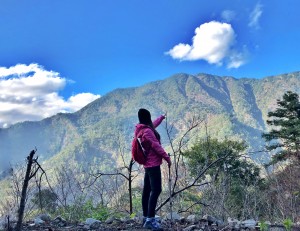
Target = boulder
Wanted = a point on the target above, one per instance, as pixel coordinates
(93, 223)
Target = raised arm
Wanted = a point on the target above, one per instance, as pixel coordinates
(158, 121)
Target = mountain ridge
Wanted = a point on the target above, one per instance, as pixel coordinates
(234, 107)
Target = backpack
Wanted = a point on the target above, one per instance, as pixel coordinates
(137, 150)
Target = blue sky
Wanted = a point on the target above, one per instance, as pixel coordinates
(60, 55)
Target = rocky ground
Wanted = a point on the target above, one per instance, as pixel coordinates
(134, 226)
(192, 223)
(112, 225)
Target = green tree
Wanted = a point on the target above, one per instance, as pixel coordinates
(234, 178)
(207, 151)
(284, 136)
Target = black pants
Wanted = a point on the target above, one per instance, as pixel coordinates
(151, 191)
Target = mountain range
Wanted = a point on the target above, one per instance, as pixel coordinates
(99, 132)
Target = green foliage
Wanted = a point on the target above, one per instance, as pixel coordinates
(82, 211)
(233, 177)
(136, 202)
(263, 226)
(132, 215)
(284, 136)
(205, 152)
(288, 224)
(190, 199)
(98, 212)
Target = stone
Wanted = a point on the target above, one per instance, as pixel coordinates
(109, 220)
(93, 223)
(59, 221)
(45, 217)
(209, 218)
(42, 219)
(175, 216)
(233, 223)
(190, 228)
(192, 219)
(250, 224)
(38, 221)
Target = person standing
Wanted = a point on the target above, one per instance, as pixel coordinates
(150, 140)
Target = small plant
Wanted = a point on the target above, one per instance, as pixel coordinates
(263, 226)
(132, 215)
(288, 224)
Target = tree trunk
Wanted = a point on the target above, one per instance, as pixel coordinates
(130, 186)
(24, 191)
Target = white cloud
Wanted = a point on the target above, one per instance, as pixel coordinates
(29, 92)
(237, 59)
(228, 15)
(213, 42)
(255, 16)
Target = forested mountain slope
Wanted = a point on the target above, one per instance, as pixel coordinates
(234, 108)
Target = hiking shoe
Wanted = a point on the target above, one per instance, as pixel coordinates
(152, 224)
(144, 220)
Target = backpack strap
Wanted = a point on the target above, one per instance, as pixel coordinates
(139, 140)
(140, 132)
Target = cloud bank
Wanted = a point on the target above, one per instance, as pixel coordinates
(213, 42)
(29, 92)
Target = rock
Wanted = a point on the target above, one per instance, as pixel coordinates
(192, 219)
(38, 221)
(109, 220)
(182, 220)
(93, 223)
(59, 221)
(139, 219)
(277, 228)
(116, 221)
(250, 224)
(42, 219)
(219, 223)
(212, 220)
(45, 217)
(233, 223)
(127, 220)
(2, 224)
(175, 216)
(190, 228)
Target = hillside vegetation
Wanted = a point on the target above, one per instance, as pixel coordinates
(213, 130)
(235, 108)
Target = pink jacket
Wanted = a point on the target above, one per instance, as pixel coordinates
(154, 150)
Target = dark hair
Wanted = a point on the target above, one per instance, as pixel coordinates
(145, 118)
